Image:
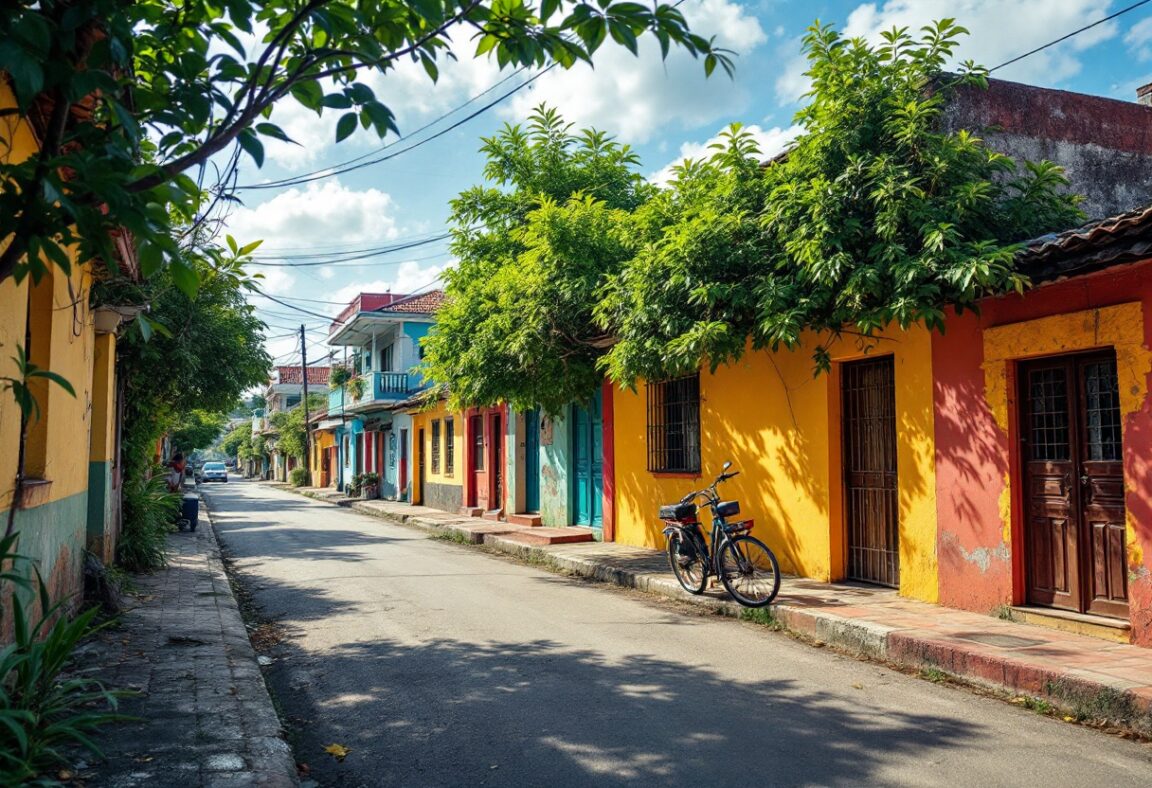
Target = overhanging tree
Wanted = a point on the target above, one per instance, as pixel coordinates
(875, 217)
(534, 248)
(130, 98)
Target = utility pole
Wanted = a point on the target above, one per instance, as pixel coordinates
(307, 421)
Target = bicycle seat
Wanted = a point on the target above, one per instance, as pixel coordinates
(678, 511)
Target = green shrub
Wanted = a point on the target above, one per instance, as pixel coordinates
(149, 516)
(298, 477)
(42, 711)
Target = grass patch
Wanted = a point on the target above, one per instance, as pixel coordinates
(451, 535)
(1003, 612)
(764, 616)
(935, 675)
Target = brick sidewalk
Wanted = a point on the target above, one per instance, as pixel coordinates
(206, 717)
(1085, 677)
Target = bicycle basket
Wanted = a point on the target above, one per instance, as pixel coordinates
(681, 512)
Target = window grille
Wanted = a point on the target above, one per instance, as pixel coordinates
(674, 425)
(477, 426)
(435, 445)
(449, 447)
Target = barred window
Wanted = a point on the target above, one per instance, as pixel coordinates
(674, 425)
(449, 447)
(435, 445)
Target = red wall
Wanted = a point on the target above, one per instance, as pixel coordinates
(977, 570)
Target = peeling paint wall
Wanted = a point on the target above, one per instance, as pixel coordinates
(555, 485)
(981, 534)
(780, 426)
(1104, 145)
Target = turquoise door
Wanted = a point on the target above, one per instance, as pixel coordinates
(532, 461)
(588, 462)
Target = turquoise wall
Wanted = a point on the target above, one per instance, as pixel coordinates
(555, 497)
(101, 515)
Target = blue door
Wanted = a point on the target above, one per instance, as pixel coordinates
(588, 462)
(532, 461)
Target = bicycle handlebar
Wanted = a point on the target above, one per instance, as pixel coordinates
(709, 492)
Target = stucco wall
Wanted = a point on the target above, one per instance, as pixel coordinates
(981, 529)
(555, 454)
(779, 425)
(1104, 145)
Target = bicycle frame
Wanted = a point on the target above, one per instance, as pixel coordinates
(721, 531)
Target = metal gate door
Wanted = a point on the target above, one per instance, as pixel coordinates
(868, 401)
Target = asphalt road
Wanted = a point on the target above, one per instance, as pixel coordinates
(438, 665)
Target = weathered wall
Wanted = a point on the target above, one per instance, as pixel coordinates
(442, 489)
(555, 454)
(779, 426)
(981, 529)
(1104, 145)
(102, 516)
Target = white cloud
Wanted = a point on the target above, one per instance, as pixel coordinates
(319, 215)
(1139, 39)
(408, 277)
(771, 141)
(999, 32)
(327, 272)
(277, 281)
(638, 97)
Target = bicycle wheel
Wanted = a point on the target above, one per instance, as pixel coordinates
(688, 565)
(749, 571)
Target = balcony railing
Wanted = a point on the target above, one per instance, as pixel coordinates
(379, 387)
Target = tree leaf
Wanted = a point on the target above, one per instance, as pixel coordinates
(345, 126)
(252, 146)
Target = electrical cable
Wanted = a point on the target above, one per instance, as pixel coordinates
(304, 262)
(333, 171)
(1063, 38)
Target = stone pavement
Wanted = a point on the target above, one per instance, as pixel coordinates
(1077, 675)
(205, 717)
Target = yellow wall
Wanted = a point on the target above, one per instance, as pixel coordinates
(779, 425)
(322, 441)
(423, 420)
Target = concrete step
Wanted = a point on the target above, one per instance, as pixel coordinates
(538, 537)
(529, 520)
(494, 514)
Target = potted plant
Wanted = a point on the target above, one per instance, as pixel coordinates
(355, 388)
(369, 485)
(352, 488)
(338, 377)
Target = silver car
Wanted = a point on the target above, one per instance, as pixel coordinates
(214, 472)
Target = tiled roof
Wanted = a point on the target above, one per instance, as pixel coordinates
(420, 304)
(1099, 244)
(317, 376)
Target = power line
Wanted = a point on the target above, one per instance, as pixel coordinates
(1063, 38)
(306, 261)
(340, 170)
(309, 253)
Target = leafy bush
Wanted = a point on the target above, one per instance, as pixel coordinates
(338, 376)
(298, 477)
(149, 516)
(41, 710)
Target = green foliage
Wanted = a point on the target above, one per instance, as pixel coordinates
(534, 247)
(338, 377)
(291, 430)
(149, 511)
(238, 442)
(44, 711)
(356, 388)
(197, 429)
(875, 217)
(21, 386)
(298, 477)
(170, 86)
(207, 352)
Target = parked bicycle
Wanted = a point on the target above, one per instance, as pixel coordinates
(744, 564)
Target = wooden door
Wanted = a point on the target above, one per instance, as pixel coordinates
(479, 488)
(418, 493)
(587, 464)
(402, 492)
(532, 461)
(868, 403)
(1074, 484)
(496, 461)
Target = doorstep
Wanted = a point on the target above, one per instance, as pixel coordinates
(1111, 629)
(1078, 675)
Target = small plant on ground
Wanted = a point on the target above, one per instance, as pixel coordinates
(1003, 612)
(149, 516)
(43, 710)
(764, 616)
(935, 675)
(298, 477)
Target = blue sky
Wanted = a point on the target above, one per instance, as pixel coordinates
(664, 110)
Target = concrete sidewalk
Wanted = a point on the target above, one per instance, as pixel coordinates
(1083, 677)
(205, 716)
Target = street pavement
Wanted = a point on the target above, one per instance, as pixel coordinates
(435, 664)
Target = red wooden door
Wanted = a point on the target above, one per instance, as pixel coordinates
(477, 442)
(1074, 484)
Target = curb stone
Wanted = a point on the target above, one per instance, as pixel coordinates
(1069, 691)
